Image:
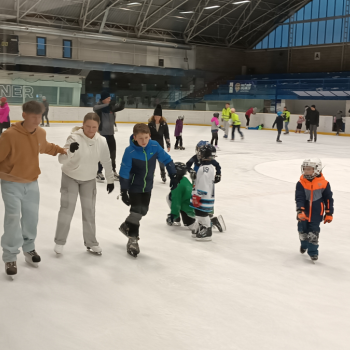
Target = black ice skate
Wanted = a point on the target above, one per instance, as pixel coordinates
(204, 234)
(133, 246)
(302, 250)
(124, 229)
(176, 147)
(32, 258)
(314, 258)
(11, 269)
(219, 223)
(182, 148)
(163, 176)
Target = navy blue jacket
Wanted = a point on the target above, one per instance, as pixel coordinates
(197, 164)
(279, 121)
(138, 166)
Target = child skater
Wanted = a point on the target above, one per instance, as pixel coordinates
(214, 130)
(236, 124)
(136, 180)
(314, 201)
(178, 132)
(279, 122)
(300, 123)
(179, 201)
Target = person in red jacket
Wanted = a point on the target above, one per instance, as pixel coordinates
(314, 201)
(249, 112)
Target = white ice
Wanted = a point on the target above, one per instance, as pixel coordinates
(248, 289)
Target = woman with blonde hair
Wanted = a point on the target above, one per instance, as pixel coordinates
(160, 131)
(85, 148)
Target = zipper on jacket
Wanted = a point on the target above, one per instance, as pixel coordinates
(311, 200)
(133, 179)
(146, 170)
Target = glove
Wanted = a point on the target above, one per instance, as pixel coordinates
(196, 201)
(193, 175)
(301, 216)
(174, 181)
(170, 219)
(73, 147)
(110, 188)
(125, 197)
(328, 219)
(217, 179)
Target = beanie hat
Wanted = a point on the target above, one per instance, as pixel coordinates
(3, 99)
(279, 113)
(216, 115)
(313, 106)
(158, 111)
(104, 95)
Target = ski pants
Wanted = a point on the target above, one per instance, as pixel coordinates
(279, 131)
(70, 188)
(21, 202)
(286, 126)
(234, 127)
(313, 132)
(178, 141)
(226, 127)
(139, 204)
(214, 137)
(112, 146)
(45, 115)
(309, 233)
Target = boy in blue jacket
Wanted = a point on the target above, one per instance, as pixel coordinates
(314, 200)
(279, 122)
(136, 180)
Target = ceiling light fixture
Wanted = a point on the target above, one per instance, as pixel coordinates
(240, 2)
(133, 3)
(187, 12)
(211, 7)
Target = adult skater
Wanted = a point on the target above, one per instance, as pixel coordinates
(338, 121)
(314, 201)
(279, 123)
(19, 170)
(4, 114)
(286, 117)
(225, 117)
(45, 113)
(307, 119)
(314, 123)
(160, 131)
(136, 180)
(86, 147)
(106, 110)
(248, 114)
(236, 124)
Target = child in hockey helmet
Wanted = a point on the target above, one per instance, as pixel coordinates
(311, 168)
(207, 153)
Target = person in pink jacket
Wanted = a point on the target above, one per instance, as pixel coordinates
(4, 114)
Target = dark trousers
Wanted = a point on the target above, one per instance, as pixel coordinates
(279, 131)
(234, 127)
(139, 204)
(112, 151)
(309, 233)
(214, 137)
(339, 125)
(178, 140)
(187, 220)
(45, 115)
(248, 119)
(307, 124)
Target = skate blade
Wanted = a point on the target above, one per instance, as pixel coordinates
(11, 277)
(176, 224)
(222, 223)
(206, 239)
(100, 181)
(132, 253)
(31, 263)
(92, 252)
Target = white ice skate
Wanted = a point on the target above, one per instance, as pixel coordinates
(100, 178)
(32, 258)
(58, 248)
(116, 176)
(94, 250)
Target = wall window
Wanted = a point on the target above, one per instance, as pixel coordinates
(67, 48)
(40, 46)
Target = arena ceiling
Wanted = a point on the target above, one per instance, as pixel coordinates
(226, 23)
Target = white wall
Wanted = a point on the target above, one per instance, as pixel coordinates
(325, 107)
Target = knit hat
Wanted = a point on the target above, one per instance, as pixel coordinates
(216, 115)
(279, 113)
(3, 99)
(104, 95)
(313, 106)
(158, 111)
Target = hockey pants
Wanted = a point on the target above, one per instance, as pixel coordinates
(309, 233)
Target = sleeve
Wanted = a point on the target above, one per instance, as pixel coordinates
(176, 196)
(65, 158)
(118, 107)
(217, 167)
(328, 199)
(216, 122)
(5, 146)
(99, 106)
(274, 123)
(318, 119)
(51, 148)
(300, 197)
(105, 160)
(124, 172)
(222, 113)
(190, 163)
(166, 160)
(166, 135)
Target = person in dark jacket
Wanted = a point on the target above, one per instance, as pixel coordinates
(178, 132)
(160, 131)
(339, 122)
(307, 119)
(314, 123)
(279, 122)
(106, 110)
(136, 180)
(45, 113)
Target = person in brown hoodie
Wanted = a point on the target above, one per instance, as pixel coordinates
(19, 170)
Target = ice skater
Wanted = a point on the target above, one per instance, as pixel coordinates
(136, 180)
(314, 116)
(5, 122)
(19, 171)
(178, 133)
(279, 123)
(225, 117)
(85, 149)
(314, 201)
(45, 113)
(215, 126)
(236, 124)
(300, 122)
(286, 117)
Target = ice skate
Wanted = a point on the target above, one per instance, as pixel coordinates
(94, 250)
(307, 132)
(47, 125)
(32, 258)
(42, 125)
(219, 223)
(225, 136)
(204, 234)
(100, 178)
(163, 176)
(285, 133)
(116, 176)
(58, 248)
(302, 250)
(176, 147)
(309, 140)
(182, 148)
(278, 141)
(314, 258)
(242, 137)
(132, 246)
(124, 229)
(196, 229)
(11, 269)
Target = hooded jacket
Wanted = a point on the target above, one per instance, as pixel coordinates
(19, 153)
(82, 165)
(107, 115)
(178, 128)
(314, 198)
(5, 113)
(214, 124)
(163, 132)
(138, 166)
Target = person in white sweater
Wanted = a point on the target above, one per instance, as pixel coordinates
(85, 148)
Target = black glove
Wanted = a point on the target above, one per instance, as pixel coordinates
(125, 197)
(170, 219)
(174, 181)
(110, 188)
(73, 147)
(193, 175)
(217, 179)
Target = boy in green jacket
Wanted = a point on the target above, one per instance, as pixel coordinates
(236, 124)
(286, 117)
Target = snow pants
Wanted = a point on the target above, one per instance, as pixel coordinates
(309, 233)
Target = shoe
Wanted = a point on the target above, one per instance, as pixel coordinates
(278, 141)
(95, 250)
(32, 258)
(116, 176)
(204, 234)
(100, 178)
(11, 269)
(163, 176)
(58, 248)
(314, 257)
(302, 250)
(309, 140)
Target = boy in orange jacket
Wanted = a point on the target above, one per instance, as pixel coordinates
(314, 201)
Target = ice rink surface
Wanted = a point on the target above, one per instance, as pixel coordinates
(247, 289)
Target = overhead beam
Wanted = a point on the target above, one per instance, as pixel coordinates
(159, 9)
(195, 23)
(17, 8)
(86, 13)
(30, 9)
(106, 9)
(193, 15)
(103, 21)
(144, 18)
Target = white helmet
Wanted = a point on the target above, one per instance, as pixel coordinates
(313, 163)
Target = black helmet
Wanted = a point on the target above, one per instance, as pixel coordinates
(207, 152)
(181, 169)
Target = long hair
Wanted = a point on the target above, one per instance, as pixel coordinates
(161, 121)
(89, 116)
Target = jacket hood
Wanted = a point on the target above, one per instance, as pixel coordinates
(77, 130)
(19, 128)
(4, 106)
